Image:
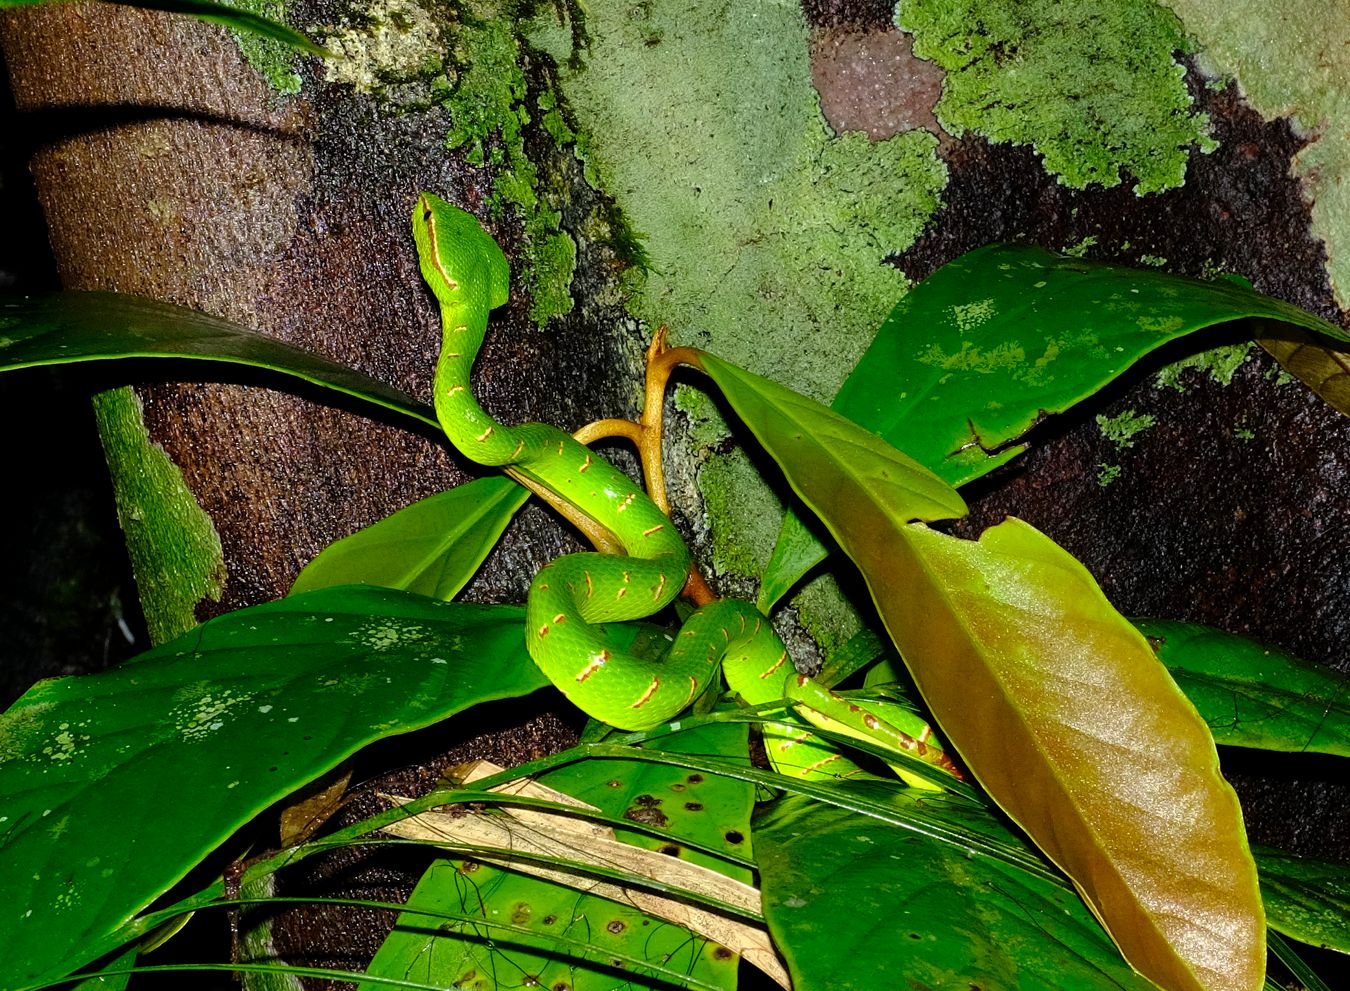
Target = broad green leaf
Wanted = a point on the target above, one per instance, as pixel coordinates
(114, 785)
(924, 910)
(1056, 704)
(1254, 696)
(216, 13)
(1064, 715)
(984, 348)
(991, 343)
(1308, 900)
(686, 807)
(432, 547)
(67, 327)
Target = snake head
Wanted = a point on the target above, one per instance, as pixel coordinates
(457, 254)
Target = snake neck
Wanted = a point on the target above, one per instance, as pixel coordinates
(470, 427)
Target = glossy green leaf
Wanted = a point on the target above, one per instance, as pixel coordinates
(114, 785)
(216, 13)
(1056, 704)
(686, 807)
(991, 343)
(67, 327)
(1067, 719)
(924, 910)
(432, 547)
(1308, 900)
(1255, 696)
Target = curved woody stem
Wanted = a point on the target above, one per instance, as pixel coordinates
(647, 435)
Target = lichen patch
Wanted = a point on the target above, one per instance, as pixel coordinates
(386, 634)
(392, 47)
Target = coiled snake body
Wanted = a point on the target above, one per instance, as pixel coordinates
(469, 276)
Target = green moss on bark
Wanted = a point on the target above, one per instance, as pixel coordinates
(1092, 85)
(175, 551)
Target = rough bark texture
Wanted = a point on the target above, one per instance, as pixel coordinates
(167, 168)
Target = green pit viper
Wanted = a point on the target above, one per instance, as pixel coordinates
(647, 562)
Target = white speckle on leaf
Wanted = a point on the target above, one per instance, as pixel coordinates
(199, 709)
(970, 315)
(65, 744)
(386, 634)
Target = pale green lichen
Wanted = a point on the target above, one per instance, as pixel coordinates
(1081, 249)
(969, 358)
(273, 60)
(1291, 60)
(1092, 85)
(386, 634)
(766, 234)
(21, 728)
(1280, 376)
(1122, 429)
(201, 709)
(175, 551)
(826, 614)
(968, 316)
(1220, 364)
(743, 529)
(489, 113)
(763, 235)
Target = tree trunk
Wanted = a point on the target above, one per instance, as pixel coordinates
(166, 167)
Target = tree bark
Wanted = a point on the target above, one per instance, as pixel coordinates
(166, 167)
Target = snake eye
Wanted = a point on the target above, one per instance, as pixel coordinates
(426, 214)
